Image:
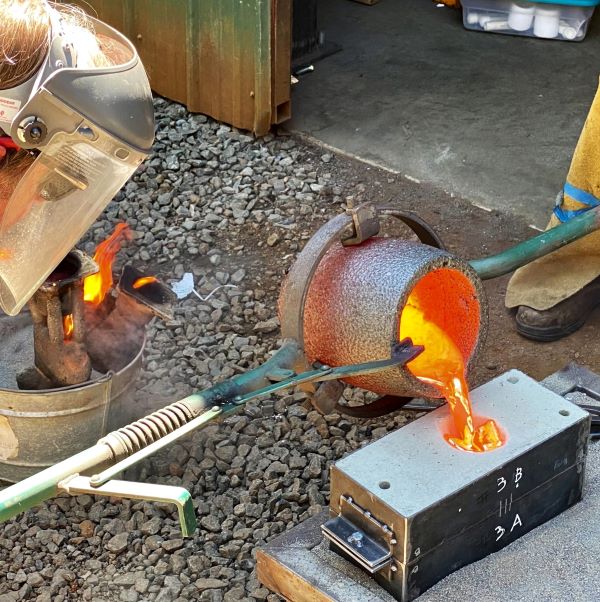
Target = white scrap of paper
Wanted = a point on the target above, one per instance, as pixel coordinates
(185, 287)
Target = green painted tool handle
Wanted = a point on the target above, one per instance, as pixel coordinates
(44, 485)
(538, 246)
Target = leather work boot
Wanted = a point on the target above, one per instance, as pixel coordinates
(561, 320)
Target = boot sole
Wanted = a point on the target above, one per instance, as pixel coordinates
(547, 335)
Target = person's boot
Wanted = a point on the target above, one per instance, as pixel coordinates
(561, 320)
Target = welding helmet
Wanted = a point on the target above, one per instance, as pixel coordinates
(89, 129)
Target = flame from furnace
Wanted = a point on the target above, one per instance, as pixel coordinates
(442, 365)
(68, 326)
(97, 285)
(144, 281)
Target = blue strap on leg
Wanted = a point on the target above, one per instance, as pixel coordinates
(581, 196)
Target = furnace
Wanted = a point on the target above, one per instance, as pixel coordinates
(68, 364)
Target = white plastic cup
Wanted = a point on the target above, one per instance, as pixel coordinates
(496, 25)
(520, 15)
(546, 22)
(472, 18)
(577, 25)
(568, 32)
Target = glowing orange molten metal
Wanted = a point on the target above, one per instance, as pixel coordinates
(442, 365)
(144, 281)
(97, 285)
(68, 326)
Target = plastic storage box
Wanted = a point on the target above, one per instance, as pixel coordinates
(566, 21)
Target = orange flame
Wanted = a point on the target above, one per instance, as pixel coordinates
(144, 281)
(442, 365)
(5, 254)
(68, 326)
(97, 285)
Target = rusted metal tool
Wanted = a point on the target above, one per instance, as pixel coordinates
(59, 328)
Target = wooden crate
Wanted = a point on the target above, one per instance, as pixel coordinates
(229, 59)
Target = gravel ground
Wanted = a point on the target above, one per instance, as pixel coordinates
(232, 210)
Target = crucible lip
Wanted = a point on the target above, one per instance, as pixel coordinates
(354, 302)
(65, 271)
(471, 335)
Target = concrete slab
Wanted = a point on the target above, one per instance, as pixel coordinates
(491, 118)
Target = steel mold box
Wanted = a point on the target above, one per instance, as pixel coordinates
(448, 508)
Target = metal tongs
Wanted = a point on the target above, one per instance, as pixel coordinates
(104, 483)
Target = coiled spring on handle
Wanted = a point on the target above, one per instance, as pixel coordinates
(147, 430)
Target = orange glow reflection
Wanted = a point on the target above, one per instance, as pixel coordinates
(97, 285)
(5, 254)
(144, 281)
(68, 326)
(442, 365)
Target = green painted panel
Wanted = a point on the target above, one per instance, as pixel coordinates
(215, 56)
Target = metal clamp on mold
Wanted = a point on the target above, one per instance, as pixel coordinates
(359, 535)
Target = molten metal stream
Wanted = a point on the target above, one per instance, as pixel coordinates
(442, 365)
(97, 285)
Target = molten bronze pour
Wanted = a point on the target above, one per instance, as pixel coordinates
(364, 298)
(442, 365)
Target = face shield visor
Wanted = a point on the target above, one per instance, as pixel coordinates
(90, 129)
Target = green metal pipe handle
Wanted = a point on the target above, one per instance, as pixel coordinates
(538, 246)
(221, 400)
